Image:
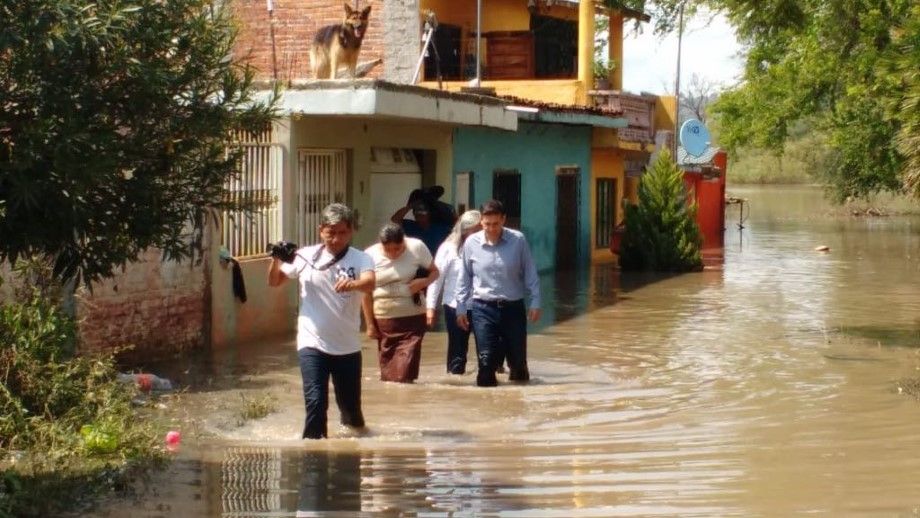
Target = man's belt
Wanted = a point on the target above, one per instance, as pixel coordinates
(498, 303)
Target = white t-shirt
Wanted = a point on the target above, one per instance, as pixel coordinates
(328, 321)
(391, 294)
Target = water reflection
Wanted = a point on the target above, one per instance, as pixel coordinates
(765, 387)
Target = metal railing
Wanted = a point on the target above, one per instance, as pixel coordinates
(256, 192)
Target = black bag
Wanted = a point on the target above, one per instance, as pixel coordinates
(420, 273)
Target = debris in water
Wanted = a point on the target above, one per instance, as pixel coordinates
(822, 248)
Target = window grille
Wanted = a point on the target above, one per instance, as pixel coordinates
(320, 180)
(257, 191)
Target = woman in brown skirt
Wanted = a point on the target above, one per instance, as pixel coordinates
(395, 315)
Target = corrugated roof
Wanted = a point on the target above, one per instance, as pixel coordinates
(563, 108)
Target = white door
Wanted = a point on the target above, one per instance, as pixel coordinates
(390, 192)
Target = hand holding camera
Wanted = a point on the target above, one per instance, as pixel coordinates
(283, 250)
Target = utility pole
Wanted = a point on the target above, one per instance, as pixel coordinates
(680, 37)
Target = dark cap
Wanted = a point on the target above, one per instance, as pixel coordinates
(435, 191)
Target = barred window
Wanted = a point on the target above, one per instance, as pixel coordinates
(256, 190)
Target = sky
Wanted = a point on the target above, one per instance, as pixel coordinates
(710, 51)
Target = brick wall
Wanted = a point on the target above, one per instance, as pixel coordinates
(294, 23)
(280, 43)
(160, 307)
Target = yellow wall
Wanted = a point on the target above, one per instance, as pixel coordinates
(665, 112)
(559, 91)
(506, 15)
(615, 50)
(606, 162)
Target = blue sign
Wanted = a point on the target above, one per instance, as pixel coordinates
(694, 137)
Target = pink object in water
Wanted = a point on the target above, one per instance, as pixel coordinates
(173, 438)
(145, 382)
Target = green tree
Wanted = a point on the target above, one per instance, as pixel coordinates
(114, 124)
(848, 66)
(906, 65)
(661, 230)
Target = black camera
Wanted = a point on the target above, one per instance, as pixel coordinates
(283, 250)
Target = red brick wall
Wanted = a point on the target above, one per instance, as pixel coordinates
(160, 307)
(295, 22)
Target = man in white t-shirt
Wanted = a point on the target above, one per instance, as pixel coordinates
(332, 278)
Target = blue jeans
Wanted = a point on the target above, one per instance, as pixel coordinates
(316, 367)
(500, 328)
(458, 342)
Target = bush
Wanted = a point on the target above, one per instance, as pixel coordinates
(661, 231)
(66, 419)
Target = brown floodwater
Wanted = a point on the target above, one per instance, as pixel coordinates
(768, 386)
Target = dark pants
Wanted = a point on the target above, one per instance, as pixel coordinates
(316, 367)
(501, 332)
(458, 342)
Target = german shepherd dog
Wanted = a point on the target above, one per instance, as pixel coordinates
(338, 45)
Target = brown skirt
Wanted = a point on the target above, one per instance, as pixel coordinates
(399, 347)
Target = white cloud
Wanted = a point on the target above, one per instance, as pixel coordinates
(710, 50)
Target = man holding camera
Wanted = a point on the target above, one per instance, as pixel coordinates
(332, 278)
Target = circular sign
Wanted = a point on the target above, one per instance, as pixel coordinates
(694, 137)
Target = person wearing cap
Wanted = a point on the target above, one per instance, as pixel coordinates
(443, 289)
(497, 272)
(422, 226)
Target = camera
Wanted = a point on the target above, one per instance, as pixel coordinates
(283, 250)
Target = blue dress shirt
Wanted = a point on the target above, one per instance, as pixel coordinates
(503, 271)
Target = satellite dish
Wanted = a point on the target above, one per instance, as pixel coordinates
(694, 137)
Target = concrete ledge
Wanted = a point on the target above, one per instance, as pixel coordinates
(374, 98)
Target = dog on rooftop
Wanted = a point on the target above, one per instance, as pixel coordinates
(338, 45)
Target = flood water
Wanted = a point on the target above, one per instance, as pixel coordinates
(765, 387)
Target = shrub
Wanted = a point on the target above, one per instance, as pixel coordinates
(66, 418)
(661, 230)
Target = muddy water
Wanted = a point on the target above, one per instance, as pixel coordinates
(766, 387)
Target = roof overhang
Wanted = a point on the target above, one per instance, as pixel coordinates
(381, 99)
(603, 6)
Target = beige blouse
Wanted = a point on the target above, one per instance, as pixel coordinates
(391, 295)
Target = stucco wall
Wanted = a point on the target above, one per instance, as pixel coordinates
(270, 312)
(535, 151)
(358, 136)
(401, 39)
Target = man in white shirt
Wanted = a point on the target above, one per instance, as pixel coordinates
(332, 277)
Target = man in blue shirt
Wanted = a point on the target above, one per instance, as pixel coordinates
(423, 226)
(498, 271)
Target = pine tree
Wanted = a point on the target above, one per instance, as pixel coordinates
(661, 231)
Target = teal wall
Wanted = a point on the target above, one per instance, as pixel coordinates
(534, 150)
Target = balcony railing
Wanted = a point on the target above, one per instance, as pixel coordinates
(639, 111)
